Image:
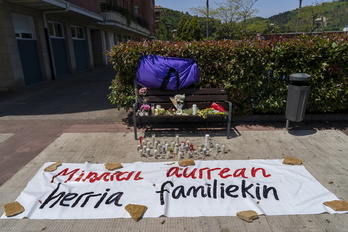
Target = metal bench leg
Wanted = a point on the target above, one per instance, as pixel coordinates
(135, 121)
(229, 119)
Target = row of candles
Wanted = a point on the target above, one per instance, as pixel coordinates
(184, 149)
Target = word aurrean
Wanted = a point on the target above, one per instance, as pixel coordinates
(224, 173)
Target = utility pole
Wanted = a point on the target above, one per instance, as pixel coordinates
(207, 22)
(298, 16)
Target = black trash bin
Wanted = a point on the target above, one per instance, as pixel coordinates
(298, 93)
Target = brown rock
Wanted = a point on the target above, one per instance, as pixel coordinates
(248, 215)
(337, 205)
(113, 166)
(53, 167)
(292, 161)
(13, 208)
(136, 211)
(186, 162)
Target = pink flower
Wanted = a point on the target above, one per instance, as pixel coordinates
(143, 91)
(145, 107)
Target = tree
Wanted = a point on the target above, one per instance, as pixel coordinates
(258, 27)
(195, 30)
(246, 11)
(188, 30)
(233, 12)
(204, 11)
(230, 30)
(163, 31)
(228, 11)
(180, 32)
(306, 21)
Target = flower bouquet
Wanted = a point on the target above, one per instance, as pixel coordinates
(144, 110)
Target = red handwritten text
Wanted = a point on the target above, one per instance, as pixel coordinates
(77, 175)
(222, 172)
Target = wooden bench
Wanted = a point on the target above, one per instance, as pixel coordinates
(203, 98)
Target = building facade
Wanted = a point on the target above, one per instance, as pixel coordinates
(42, 40)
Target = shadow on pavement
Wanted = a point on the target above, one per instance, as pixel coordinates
(81, 92)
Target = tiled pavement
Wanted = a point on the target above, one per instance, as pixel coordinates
(35, 119)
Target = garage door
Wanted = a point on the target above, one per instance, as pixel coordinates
(27, 46)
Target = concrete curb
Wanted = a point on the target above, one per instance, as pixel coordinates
(281, 118)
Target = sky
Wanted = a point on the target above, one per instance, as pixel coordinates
(267, 8)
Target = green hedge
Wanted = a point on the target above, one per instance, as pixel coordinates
(255, 72)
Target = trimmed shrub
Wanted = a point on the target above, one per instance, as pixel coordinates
(255, 72)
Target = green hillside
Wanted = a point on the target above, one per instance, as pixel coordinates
(171, 20)
(302, 20)
(333, 17)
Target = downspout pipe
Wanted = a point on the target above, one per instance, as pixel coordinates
(47, 36)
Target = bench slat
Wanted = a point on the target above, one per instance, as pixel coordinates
(197, 98)
(189, 105)
(203, 91)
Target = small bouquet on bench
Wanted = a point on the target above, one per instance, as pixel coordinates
(144, 110)
(178, 102)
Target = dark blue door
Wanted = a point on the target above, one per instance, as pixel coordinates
(60, 57)
(80, 54)
(30, 61)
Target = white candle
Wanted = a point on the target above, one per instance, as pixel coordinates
(216, 147)
(141, 152)
(167, 155)
(148, 152)
(177, 139)
(194, 107)
(155, 152)
(223, 149)
(180, 149)
(179, 155)
(176, 149)
(153, 139)
(166, 147)
(206, 140)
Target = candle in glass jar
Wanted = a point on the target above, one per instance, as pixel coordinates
(194, 109)
(206, 141)
(177, 139)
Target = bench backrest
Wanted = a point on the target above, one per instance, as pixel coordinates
(201, 97)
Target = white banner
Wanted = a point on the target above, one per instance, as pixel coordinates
(209, 188)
